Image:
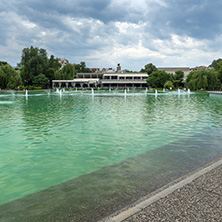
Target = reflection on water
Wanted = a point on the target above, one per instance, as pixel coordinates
(47, 140)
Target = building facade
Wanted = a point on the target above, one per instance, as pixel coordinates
(104, 80)
(111, 78)
(172, 70)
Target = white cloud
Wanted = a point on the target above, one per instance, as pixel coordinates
(28, 24)
(166, 33)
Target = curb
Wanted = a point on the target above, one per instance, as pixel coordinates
(150, 200)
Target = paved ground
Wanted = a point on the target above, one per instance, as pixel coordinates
(197, 200)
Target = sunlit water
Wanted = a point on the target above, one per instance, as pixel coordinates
(50, 138)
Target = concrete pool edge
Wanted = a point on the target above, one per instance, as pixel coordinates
(163, 192)
(98, 195)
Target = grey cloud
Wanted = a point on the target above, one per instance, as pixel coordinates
(199, 19)
(3, 32)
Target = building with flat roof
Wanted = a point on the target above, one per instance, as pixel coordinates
(124, 80)
(111, 78)
(108, 79)
(172, 70)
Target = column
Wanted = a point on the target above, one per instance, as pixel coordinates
(60, 84)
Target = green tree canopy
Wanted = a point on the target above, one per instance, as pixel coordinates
(203, 79)
(178, 78)
(157, 79)
(8, 76)
(41, 81)
(217, 64)
(149, 68)
(52, 67)
(81, 68)
(67, 72)
(168, 85)
(2, 63)
(34, 62)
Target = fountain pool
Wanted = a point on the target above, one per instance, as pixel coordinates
(68, 148)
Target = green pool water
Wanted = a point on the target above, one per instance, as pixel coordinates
(47, 139)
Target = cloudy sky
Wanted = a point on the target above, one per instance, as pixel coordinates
(106, 32)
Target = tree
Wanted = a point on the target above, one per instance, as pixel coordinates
(220, 75)
(216, 64)
(149, 68)
(34, 62)
(41, 81)
(2, 63)
(81, 68)
(8, 76)
(178, 78)
(168, 85)
(53, 63)
(14, 81)
(157, 79)
(203, 79)
(67, 72)
(52, 67)
(3, 79)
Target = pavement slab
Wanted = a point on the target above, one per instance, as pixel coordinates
(199, 200)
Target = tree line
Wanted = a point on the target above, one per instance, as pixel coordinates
(37, 70)
(206, 79)
(162, 79)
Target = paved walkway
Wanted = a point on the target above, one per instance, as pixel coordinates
(196, 198)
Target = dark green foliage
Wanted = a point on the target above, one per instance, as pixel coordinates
(3, 63)
(149, 68)
(34, 62)
(168, 85)
(52, 67)
(216, 64)
(41, 81)
(67, 72)
(8, 76)
(130, 71)
(203, 79)
(178, 78)
(157, 79)
(81, 68)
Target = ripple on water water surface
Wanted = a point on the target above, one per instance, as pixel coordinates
(48, 139)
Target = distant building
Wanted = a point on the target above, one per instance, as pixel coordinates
(200, 67)
(95, 70)
(63, 62)
(124, 80)
(108, 70)
(173, 70)
(107, 79)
